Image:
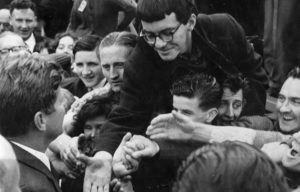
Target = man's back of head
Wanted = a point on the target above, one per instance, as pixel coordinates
(29, 91)
(197, 96)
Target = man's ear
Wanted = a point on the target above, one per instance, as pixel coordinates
(192, 22)
(211, 114)
(39, 121)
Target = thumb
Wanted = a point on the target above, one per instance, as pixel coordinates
(126, 138)
(179, 117)
(85, 159)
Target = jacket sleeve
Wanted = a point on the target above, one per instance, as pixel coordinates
(136, 103)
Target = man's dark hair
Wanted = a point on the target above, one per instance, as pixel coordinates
(203, 86)
(155, 10)
(87, 43)
(23, 4)
(229, 167)
(234, 84)
(97, 106)
(28, 84)
(294, 73)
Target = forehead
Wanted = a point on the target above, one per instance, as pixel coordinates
(10, 41)
(66, 40)
(181, 102)
(4, 15)
(86, 56)
(96, 120)
(113, 54)
(229, 95)
(291, 88)
(170, 21)
(23, 13)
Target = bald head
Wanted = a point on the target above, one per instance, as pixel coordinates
(9, 169)
(11, 44)
(4, 20)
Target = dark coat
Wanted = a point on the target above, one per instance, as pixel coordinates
(147, 78)
(35, 176)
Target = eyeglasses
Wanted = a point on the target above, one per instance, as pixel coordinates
(5, 24)
(15, 49)
(165, 35)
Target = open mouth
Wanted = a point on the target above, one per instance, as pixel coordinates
(286, 117)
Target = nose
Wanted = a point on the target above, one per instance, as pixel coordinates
(159, 43)
(93, 133)
(113, 73)
(229, 111)
(24, 24)
(285, 107)
(86, 70)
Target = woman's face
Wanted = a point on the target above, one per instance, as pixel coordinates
(112, 62)
(65, 45)
(88, 68)
(93, 126)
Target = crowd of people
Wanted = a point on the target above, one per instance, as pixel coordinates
(147, 95)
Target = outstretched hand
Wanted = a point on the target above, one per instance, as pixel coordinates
(124, 164)
(140, 146)
(174, 126)
(98, 172)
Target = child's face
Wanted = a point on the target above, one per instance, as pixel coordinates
(93, 126)
(291, 159)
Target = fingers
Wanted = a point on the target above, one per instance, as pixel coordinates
(85, 159)
(161, 118)
(161, 135)
(126, 138)
(155, 131)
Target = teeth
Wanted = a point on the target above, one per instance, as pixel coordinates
(287, 117)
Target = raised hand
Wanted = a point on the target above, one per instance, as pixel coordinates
(173, 126)
(98, 172)
(124, 164)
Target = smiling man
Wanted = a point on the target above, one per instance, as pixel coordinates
(176, 41)
(23, 19)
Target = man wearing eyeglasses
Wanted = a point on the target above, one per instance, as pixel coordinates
(12, 44)
(175, 42)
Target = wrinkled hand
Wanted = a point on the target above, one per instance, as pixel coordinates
(174, 126)
(140, 146)
(97, 172)
(124, 164)
(275, 150)
(121, 184)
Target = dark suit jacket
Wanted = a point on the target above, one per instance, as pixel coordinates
(35, 176)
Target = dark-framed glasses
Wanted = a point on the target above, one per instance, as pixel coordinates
(15, 49)
(165, 35)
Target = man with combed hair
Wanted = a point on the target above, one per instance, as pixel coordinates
(9, 169)
(23, 19)
(175, 42)
(31, 85)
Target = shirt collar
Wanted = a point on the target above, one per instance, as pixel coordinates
(41, 156)
(30, 42)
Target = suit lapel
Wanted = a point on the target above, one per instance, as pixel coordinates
(31, 161)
